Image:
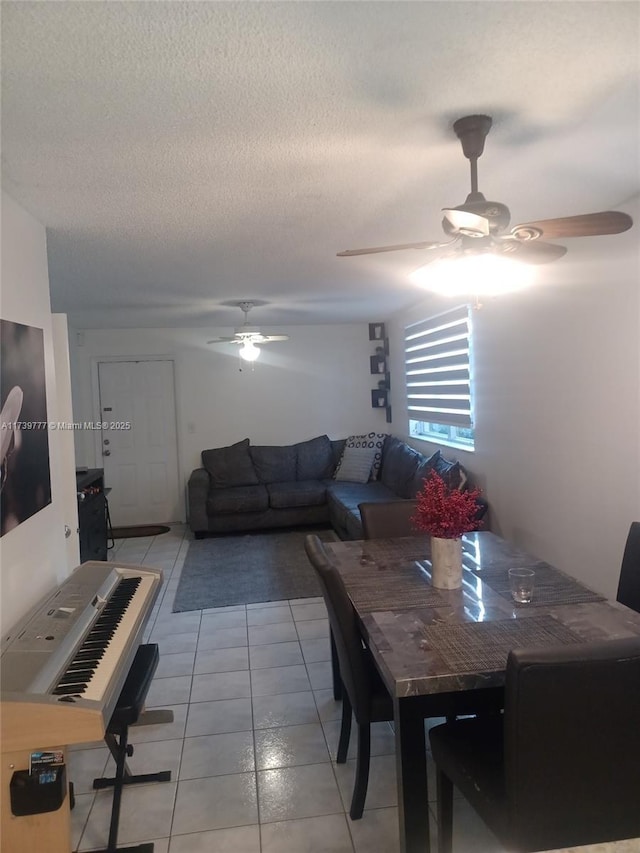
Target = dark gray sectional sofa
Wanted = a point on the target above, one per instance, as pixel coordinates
(252, 487)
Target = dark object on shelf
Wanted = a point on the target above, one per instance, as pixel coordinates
(31, 794)
(92, 514)
(127, 711)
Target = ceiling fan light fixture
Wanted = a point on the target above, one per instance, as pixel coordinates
(249, 351)
(474, 275)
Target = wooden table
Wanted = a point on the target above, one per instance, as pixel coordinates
(428, 642)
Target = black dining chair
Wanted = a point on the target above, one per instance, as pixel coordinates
(560, 767)
(629, 583)
(363, 692)
(388, 519)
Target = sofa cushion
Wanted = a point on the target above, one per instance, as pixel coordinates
(343, 498)
(314, 459)
(355, 465)
(237, 499)
(399, 466)
(230, 466)
(371, 440)
(274, 464)
(300, 493)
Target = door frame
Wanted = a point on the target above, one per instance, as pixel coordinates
(96, 360)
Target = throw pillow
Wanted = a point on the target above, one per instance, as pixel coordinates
(399, 465)
(230, 466)
(449, 471)
(355, 465)
(315, 459)
(422, 472)
(371, 439)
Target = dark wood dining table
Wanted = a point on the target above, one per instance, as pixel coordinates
(427, 642)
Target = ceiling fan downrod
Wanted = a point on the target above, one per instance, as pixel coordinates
(472, 132)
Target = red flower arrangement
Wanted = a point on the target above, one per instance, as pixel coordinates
(445, 512)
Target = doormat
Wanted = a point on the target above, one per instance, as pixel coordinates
(139, 530)
(247, 569)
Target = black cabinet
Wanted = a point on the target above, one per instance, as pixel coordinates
(92, 514)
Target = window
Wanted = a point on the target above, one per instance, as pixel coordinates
(439, 380)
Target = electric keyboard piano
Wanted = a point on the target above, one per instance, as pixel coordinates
(62, 668)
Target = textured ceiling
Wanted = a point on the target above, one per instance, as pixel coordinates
(184, 156)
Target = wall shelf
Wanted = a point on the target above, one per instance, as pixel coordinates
(379, 367)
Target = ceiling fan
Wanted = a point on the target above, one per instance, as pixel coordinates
(248, 336)
(479, 226)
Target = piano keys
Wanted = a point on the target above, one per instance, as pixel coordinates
(62, 668)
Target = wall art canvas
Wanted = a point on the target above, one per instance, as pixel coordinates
(25, 475)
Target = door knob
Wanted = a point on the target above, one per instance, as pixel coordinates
(107, 453)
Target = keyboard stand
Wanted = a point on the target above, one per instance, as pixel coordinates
(129, 711)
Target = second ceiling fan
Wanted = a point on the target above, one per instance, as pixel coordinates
(479, 226)
(248, 336)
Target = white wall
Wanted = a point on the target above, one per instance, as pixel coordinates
(557, 380)
(33, 555)
(317, 382)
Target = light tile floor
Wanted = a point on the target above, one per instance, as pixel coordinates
(252, 746)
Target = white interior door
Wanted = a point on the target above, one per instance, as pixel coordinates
(138, 441)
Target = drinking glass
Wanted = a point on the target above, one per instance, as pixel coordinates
(521, 582)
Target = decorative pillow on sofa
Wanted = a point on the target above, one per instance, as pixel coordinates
(356, 463)
(422, 472)
(315, 459)
(373, 440)
(450, 471)
(274, 464)
(230, 466)
(399, 466)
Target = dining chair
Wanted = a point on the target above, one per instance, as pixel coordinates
(560, 767)
(629, 583)
(388, 519)
(363, 692)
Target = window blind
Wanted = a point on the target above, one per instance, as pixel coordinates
(437, 366)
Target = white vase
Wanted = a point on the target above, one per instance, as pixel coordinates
(446, 563)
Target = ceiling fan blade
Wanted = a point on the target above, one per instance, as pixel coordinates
(222, 341)
(585, 225)
(531, 252)
(348, 253)
(267, 339)
(465, 222)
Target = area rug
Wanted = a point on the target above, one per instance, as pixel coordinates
(247, 569)
(139, 530)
